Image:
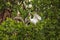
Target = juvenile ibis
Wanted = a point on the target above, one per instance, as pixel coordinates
(18, 18)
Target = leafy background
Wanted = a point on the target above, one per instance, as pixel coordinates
(47, 29)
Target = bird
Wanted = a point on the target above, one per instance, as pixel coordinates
(36, 18)
(26, 20)
(30, 0)
(27, 6)
(30, 6)
(18, 18)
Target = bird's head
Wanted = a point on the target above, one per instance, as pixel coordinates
(18, 13)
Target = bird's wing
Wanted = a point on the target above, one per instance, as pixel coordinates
(38, 17)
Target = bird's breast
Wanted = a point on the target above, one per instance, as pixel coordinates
(34, 20)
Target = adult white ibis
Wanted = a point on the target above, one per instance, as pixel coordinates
(35, 18)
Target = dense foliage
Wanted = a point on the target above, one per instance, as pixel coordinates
(47, 29)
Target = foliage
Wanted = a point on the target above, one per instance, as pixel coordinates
(47, 29)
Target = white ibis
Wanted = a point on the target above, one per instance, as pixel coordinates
(35, 18)
(30, 0)
(30, 6)
(27, 6)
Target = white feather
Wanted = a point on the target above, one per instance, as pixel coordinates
(35, 19)
(37, 16)
(30, 6)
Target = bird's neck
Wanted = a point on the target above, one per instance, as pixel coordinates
(29, 17)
